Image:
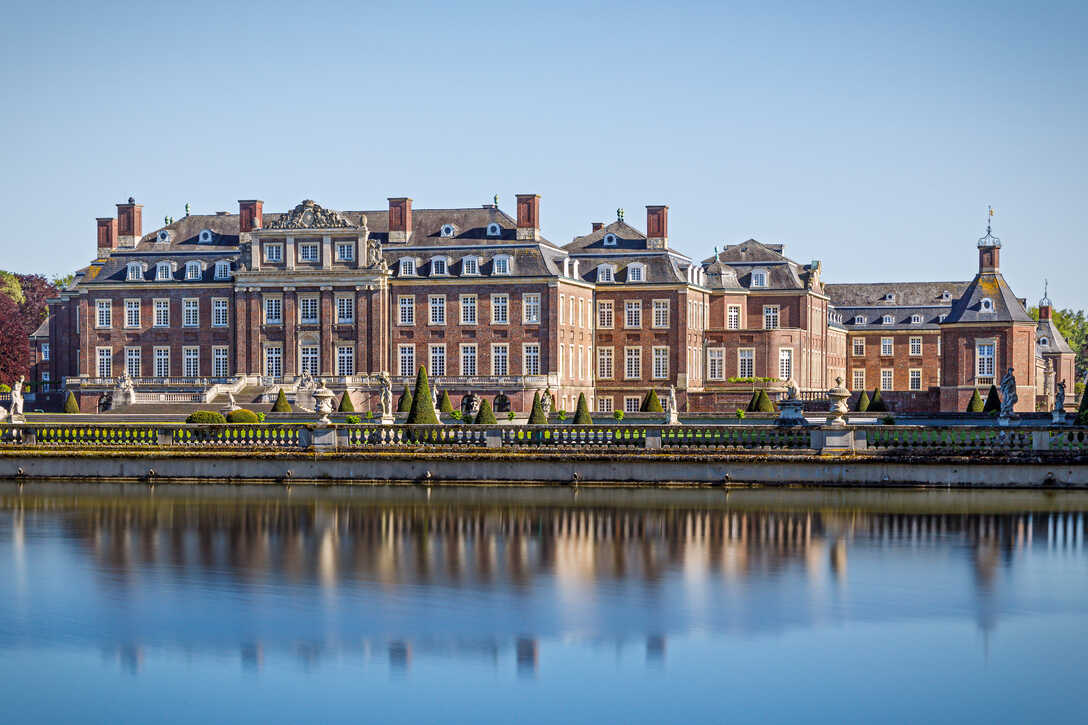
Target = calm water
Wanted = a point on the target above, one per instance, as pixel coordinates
(542, 605)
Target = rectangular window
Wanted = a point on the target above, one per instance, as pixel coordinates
(162, 313)
(273, 361)
(785, 363)
(190, 312)
(407, 267)
(190, 360)
(345, 310)
(915, 379)
(746, 362)
(562, 301)
(222, 270)
(45, 351)
(105, 313)
(220, 362)
(273, 253)
(570, 313)
(438, 309)
(859, 379)
(345, 360)
(604, 315)
(732, 320)
(531, 352)
(163, 271)
(162, 362)
(661, 363)
(468, 359)
(605, 364)
(310, 359)
(273, 311)
(468, 309)
(406, 356)
(438, 360)
(632, 363)
(715, 363)
(887, 379)
(661, 313)
(308, 252)
(501, 265)
(632, 313)
(132, 362)
(500, 309)
(985, 352)
(406, 306)
(604, 404)
(500, 359)
(308, 313)
(770, 317)
(631, 403)
(219, 312)
(531, 308)
(581, 312)
(345, 251)
(887, 346)
(132, 313)
(859, 346)
(105, 362)
(470, 265)
(915, 346)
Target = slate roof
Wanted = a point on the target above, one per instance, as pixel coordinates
(901, 317)
(732, 267)
(42, 331)
(661, 268)
(1056, 342)
(628, 239)
(528, 259)
(992, 286)
(912, 294)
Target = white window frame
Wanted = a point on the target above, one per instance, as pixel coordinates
(500, 359)
(190, 361)
(345, 303)
(220, 361)
(469, 359)
(161, 309)
(606, 273)
(469, 309)
(134, 272)
(636, 272)
(436, 310)
(986, 359)
(190, 312)
(104, 361)
(606, 363)
(986, 306)
(914, 379)
(220, 312)
(500, 265)
(632, 314)
(500, 309)
(309, 252)
(406, 310)
(103, 319)
(632, 363)
(530, 308)
(272, 304)
(345, 251)
(604, 404)
(309, 304)
(406, 360)
(161, 361)
(759, 278)
(858, 379)
(164, 272)
(407, 267)
(732, 317)
(45, 350)
(746, 362)
(345, 359)
(660, 314)
(715, 363)
(915, 347)
(272, 362)
(606, 314)
(222, 270)
(859, 347)
(309, 359)
(470, 266)
(632, 403)
(785, 363)
(273, 254)
(660, 365)
(133, 362)
(887, 379)
(132, 322)
(888, 320)
(772, 317)
(887, 347)
(193, 271)
(530, 358)
(440, 267)
(436, 359)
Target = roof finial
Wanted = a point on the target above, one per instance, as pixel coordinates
(1045, 302)
(186, 208)
(495, 200)
(619, 214)
(989, 240)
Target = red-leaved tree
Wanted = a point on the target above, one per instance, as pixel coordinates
(14, 342)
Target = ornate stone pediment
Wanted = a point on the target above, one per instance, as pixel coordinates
(311, 215)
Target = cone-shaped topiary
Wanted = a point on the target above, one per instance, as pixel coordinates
(764, 405)
(876, 403)
(485, 416)
(422, 412)
(993, 401)
(1082, 412)
(650, 404)
(404, 405)
(975, 405)
(346, 406)
(281, 406)
(863, 402)
(70, 405)
(753, 404)
(536, 414)
(242, 416)
(444, 403)
(581, 415)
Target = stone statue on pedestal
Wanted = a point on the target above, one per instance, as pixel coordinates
(17, 401)
(1058, 415)
(387, 395)
(546, 401)
(1008, 394)
(672, 414)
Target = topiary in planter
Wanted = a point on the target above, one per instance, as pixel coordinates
(764, 405)
(993, 401)
(404, 405)
(536, 414)
(242, 416)
(581, 415)
(485, 416)
(877, 404)
(422, 412)
(346, 406)
(863, 402)
(650, 404)
(206, 416)
(71, 406)
(444, 403)
(975, 405)
(281, 406)
(753, 404)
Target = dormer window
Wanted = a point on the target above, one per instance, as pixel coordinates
(447, 230)
(222, 270)
(636, 273)
(407, 268)
(890, 297)
(493, 230)
(134, 272)
(438, 266)
(606, 273)
(609, 240)
(860, 320)
(942, 318)
(163, 271)
(1044, 342)
(163, 237)
(192, 270)
(501, 265)
(205, 236)
(946, 296)
(915, 319)
(759, 278)
(470, 265)
(987, 305)
(889, 320)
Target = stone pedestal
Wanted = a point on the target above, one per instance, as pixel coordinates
(17, 419)
(1058, 417)
(791, 412)
(324, 439)
(1004, 421)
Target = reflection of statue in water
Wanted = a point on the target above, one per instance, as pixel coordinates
(1008, 394)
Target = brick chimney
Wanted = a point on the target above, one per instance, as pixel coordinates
(400, 219)
(250, 214)
(657, 227)
(130, 223)
(529, 217)
(107, 235)
(596, 226)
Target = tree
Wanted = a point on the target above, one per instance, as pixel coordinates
(444, 403)
(753, 404)
(764, 404)
(14, 343)
(993, 401)
(281, 406)
(9, 286)
(863, 402)
(36, 290)
(485, 416)
(975, 405)
(422, 412)
(404, 405)
(650, 404)
(70, 405)
(1082, 413)
(346, 406)
(581, 415)
(61, 281)
(1073, 325)
(536, 414)
(876, 403)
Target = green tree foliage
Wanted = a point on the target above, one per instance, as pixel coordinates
(281, 406)
(764, 404)
(993, 401)
(863, 402)
(242, 416)
(9, 285)
(485, 415)
(204, 416)
(1082, 412)
(70, 404)
(581, 415)
(536, 414)
(404, 405)
(651, 404)
(444, 403)
(975, 405)
(1073, 324)
(63, 280)
(876, 403)
(422, 412)
(346, 406)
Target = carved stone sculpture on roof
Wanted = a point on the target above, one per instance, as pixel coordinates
(311, 215)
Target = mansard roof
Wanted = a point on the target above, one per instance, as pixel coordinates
(1055, 340)
(527, 259)
(185, 234)
(992, 286)
(660, 268)
(628, 239)
(736, 262)
(905, 294)
(902, 316)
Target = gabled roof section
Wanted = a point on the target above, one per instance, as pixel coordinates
(43, 330)
(991, 286)
(1055, 341)
(627, 239)
(737, 262)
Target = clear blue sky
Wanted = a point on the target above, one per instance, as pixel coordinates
(869, 137)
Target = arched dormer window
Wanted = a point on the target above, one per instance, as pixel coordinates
(889, 297)
(759, 278)
(1044, 342)
(493, 230)
(163, 271)
(860, 320)
(206, 236)
(163, 237)
(609, 240)
(986, 305)
(946, 296)
(470, 266)
(134, 271)
(606, 273)
(889, 320)
(447, 230)
(636, 272)
(915, 319)
(439, 266)
(501, 265)
(407, 267)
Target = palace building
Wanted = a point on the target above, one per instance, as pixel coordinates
(250, 302)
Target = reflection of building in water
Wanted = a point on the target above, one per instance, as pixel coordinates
(528, 655)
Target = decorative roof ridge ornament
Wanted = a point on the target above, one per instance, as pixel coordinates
(989, 240)
(311, 215)
(1045, 302)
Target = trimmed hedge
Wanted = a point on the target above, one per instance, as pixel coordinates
(70, 405)
(650, 404)
(485, 416)
(422, 412)
(346, 406)
(281, 406)
(863, 402)
(444, 404)
(877, 404)
(993, 401)
(207, 416)
(242, 416)
(764, 405)
(404, 405)
(975, 405)
(581, 415)
(1082, 412)
(536, 414)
